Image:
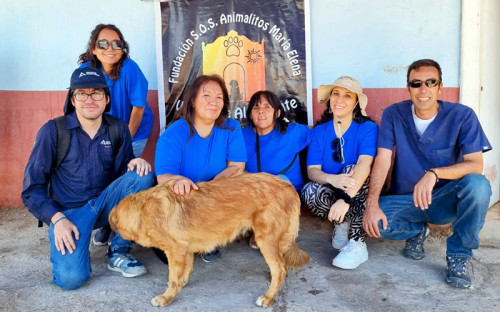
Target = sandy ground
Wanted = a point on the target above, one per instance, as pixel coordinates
(386, 282)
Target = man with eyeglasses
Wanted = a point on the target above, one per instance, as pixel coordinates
(436, 176)
(76, 196)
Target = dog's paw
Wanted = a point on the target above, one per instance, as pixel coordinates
(263, 301)
(161, 301)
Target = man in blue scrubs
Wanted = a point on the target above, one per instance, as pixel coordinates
(436, 176)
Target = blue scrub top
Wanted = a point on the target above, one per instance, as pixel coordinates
(454, 132)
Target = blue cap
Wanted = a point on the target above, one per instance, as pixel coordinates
(85, 78)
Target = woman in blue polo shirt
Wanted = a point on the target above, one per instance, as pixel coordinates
(108, 51)
(202, 143)
(272, 143)
(343, 146)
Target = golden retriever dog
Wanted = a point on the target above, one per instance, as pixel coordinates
(215, 215)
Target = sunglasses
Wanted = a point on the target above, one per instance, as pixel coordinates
(104, 44)
(338, 151)
(82, 96)
(430, 83)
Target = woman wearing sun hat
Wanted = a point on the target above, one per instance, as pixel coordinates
(343, 146)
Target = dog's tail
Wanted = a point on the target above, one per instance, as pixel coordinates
(295, 257)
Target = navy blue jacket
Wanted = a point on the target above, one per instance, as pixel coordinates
(89, 167)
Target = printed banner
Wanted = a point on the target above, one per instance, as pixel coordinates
(252, 45)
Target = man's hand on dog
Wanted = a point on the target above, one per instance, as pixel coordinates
(63, 234)
(140, 165)
(183, 186)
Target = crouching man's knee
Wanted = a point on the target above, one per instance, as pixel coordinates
(71, 279)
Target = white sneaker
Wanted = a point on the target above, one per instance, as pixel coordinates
(340, 235)
(351, 255)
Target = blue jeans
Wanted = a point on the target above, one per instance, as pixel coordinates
(72, 270)
(139, 146)
(462, 202)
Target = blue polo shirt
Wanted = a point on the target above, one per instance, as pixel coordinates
(359, 138)
(88, 168)
(197, 158)
(277, 150)
(454, 132)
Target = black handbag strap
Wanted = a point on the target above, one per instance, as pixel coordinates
(257, 148)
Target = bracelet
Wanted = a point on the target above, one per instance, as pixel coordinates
(61, 218)
(430, 170)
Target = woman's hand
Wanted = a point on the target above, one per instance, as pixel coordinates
(344, 182)
(183, 186)
(338, 211)
(139, 164)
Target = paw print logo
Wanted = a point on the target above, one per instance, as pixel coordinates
(233, 45)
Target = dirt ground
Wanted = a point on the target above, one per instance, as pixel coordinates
(386, 282)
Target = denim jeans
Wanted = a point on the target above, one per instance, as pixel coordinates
(70, 271)
(462, 202)
(139, 146)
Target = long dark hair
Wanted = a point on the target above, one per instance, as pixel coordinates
(280, 124)
(328, 114)
(187, 109)
(93, 60)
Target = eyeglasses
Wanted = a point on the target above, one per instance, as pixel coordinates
(104, 44)
(82, 96)
(430, 83)
(337, 146)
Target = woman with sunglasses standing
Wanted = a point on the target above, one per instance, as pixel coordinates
(339, 159)
(108, 51)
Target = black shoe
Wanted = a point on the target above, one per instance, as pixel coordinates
(101, 236)
(458, 272)
(161, 255)
(414, 248)
(212, 256)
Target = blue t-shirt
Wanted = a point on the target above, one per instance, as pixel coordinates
(454, 132)
(359, 139)
(130, 89)
(277, 150)
(199, 159)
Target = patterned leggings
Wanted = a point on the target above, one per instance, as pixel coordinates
(320, 197)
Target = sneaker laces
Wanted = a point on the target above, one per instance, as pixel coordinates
(460, 265)
(352, 245)
(122, 256)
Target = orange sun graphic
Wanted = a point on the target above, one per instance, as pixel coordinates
(253, 56)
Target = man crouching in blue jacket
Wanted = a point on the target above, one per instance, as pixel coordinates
(76, 195)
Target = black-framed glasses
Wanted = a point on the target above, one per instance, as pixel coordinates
(430, 83)
(337, 146)
(104, 44)
(82, 96)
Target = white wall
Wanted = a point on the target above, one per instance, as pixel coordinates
(376, 40)
(489, 98)
(41, 40)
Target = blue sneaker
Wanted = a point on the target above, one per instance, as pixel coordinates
(458, 272)
(212, 256)
(120, 260)
(414, 248)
